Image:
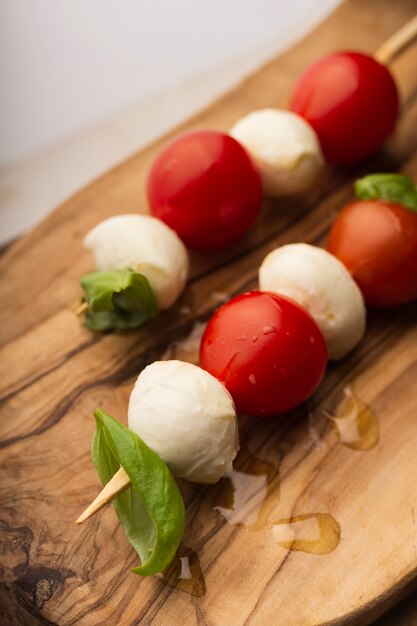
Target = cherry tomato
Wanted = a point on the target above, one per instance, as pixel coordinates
(351, 101)
(206, 188)
(377, 242)
(267, 351)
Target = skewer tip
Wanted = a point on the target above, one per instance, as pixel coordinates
(119, 483)
(83, 308)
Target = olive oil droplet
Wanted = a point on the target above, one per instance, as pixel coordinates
(355, 422)
(184, 573)
(315, 533)
(248, 497)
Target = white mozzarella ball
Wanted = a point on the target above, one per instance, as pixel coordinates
(321, 284)
(187, 417)
(285, 150)
(146, 245)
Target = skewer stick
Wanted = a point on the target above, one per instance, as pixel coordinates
(119, 483)
(397, 43)
(83, 308)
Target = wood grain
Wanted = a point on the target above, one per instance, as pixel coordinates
(54, 373)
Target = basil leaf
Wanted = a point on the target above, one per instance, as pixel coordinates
(152, 510)
(390, 187)
(117, 300)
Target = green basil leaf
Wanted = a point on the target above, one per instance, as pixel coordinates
(391, 187)
(117, 300)
(152, 510)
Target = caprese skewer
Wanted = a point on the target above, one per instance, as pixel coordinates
(263, 352)
(344, 107)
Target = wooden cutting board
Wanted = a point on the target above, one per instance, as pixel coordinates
(317, 525)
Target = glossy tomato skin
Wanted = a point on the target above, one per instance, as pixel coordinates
(267, 351)
(206, 188)
(377, 242)
(352, 103)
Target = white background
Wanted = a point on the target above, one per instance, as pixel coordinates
(84, 83)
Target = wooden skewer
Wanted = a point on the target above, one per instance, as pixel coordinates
(397, 43)
(83, 308)
(119, 483)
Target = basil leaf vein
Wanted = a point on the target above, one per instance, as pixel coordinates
(390, 187)
(117, 300)
(152, 510)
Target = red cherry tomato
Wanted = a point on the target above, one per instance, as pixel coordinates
(351, 101)
(377, 242)
(267, 351)
(206, 188)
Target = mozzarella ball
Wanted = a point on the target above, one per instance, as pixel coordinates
(187, 417)
(285, 150)
(320, 283)
(146, 245)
